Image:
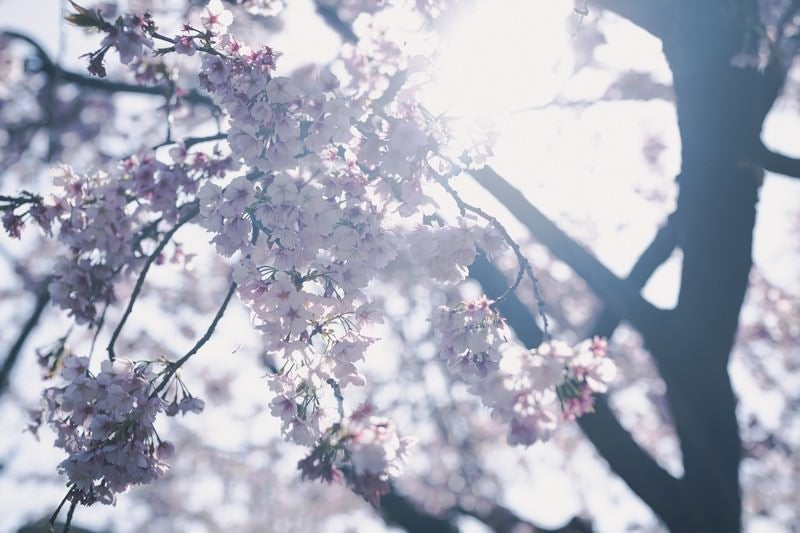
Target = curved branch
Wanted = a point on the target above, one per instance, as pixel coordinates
(779, 163)
(494, 284)
(614, 443)
(656, 253)
(59, 74)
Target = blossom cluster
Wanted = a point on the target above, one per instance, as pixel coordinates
(364, 449)
(105, 220)
(537, 389)
(105, 424)
(472, 335)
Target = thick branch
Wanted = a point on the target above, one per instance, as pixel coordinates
(42, 298)
(503, 520)
(331, 18)
(650, 15)
(625, 457)
(656, 253)
(399, 510)
(494, 284)
(780, 163)
(654, 485)
(618, 294)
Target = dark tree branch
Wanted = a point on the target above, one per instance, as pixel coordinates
(494, 284)
(42, 298)
(500, 519)
(58, 74)
(778, 66)
(331, 18)
(190, 213)
(779, 163)
(173, 367)
(656, 253)
(618, 294)
(654, 485)
(657, 488)
(653, 16)
(398, 510)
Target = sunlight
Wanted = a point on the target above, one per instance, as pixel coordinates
(502, 57)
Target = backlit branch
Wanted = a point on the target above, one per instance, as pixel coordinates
(618, 294)
(192, 211)
(173, 367)
(59, 74)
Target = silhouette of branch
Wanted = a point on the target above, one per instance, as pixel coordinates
(625, 457)
(59, 74)
(650, 15)
(399, 510)
(656, 253)
(494, 284)
(501, 519)
(331, 18)
(618, 294)
(190, 213)
(780, 163)
(173, 367)
(42, 299)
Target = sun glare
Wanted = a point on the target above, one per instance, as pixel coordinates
(501, 57)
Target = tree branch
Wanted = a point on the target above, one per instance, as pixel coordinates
(173, 367)
(614, 443)
(618, 294)
(779, 163)
(56, 73)
(494, 284)
(399, 510)
(656, 253)
(191, 213)
(650, 15)
(654, 485)
(331, 18)
(42, 298)
(501, 519)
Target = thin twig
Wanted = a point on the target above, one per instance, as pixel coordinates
(188, 142)
(337, 392)
(70, 514)
(99, 326)
(173, 367)
(524, 265)
(190, 214)
(55, 514)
